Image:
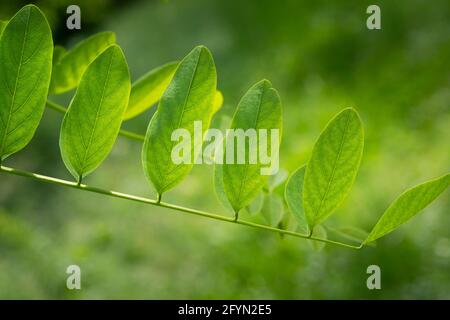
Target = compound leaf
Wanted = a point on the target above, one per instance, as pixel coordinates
(68, 70)
(25, 66)
(94, 116)
(408, 205)
(333, 166)
(259, 108)
(293, 195)
(147, 90)
(188, 98)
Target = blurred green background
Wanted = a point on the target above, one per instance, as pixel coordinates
(321, 58)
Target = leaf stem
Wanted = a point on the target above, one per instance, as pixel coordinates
(75, 185)
(125, 133)
(158, 197)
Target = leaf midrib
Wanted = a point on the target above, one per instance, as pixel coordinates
(5, 133)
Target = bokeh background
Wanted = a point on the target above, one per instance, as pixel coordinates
(321, 58)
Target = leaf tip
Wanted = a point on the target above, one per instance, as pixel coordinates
(265, 83)
(202, 49)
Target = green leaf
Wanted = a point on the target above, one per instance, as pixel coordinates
(408, 205)
(273, 209)
(25, 66)
(148, 89)
(58, 53)
(293, 196)
(259, 108)
(188, 98)
(67, 72)
(93, 120)
(333, 166)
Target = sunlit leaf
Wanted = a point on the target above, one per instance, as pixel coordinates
(68, 70)
(259, 108)
(148, 89)
(93, 120)
(407, 205)
(25, 66)
(333, 166)
(293, 196)
(188, 98)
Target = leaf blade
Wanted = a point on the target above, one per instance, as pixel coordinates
(24, 81)
(293, 194)
(407, 205)
(147, 90)
(188, 98)
(92, 121)
(67, 72)
(333, 166)
(259, 108)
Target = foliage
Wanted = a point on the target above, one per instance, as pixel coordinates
(187, 92)
(321, 58)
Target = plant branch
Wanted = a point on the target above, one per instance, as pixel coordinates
(125, 133)
(129, 197)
